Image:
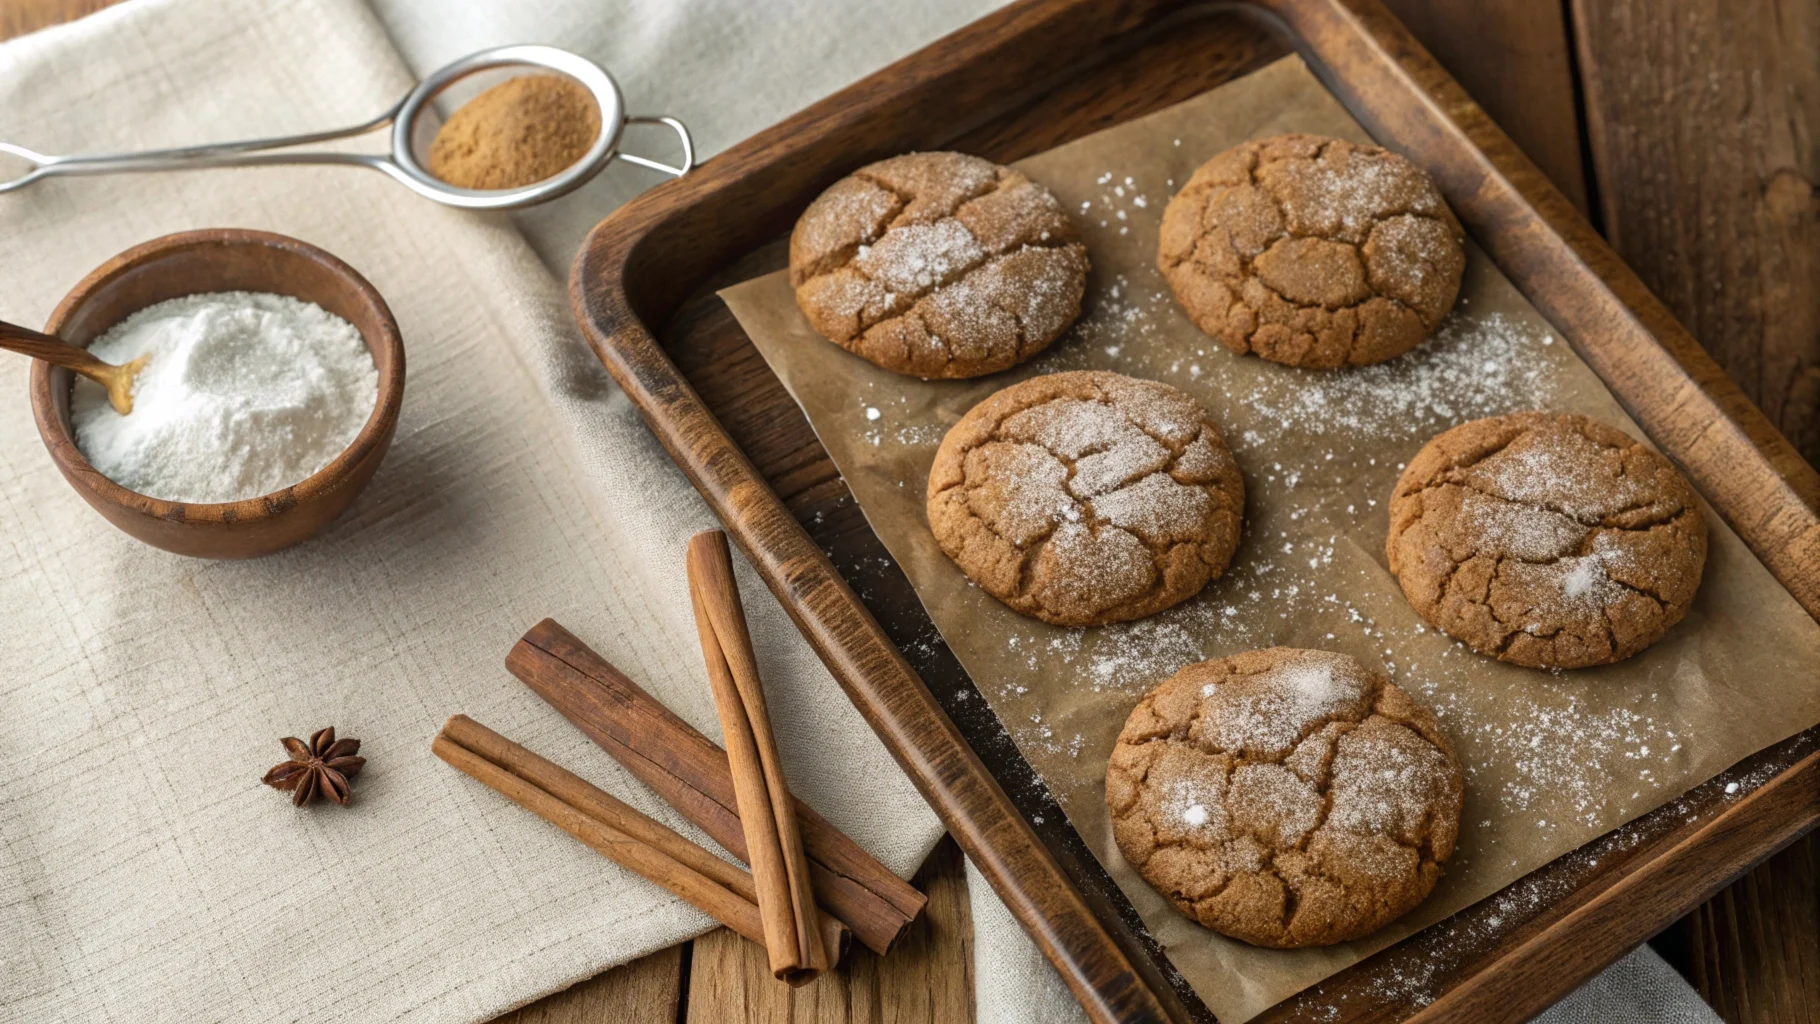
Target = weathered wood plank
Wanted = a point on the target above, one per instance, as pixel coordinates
(1512, 56)
(927, 978)
(644, 991)
(1752, 950)
(1702, 118)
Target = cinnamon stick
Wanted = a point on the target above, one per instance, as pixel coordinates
(691, 773)
(612, 828)
(766, 810)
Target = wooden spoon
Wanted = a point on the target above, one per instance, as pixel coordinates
(118, 380)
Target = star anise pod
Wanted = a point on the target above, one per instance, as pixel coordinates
(321, 766)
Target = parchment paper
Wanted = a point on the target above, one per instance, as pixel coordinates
(1551, 760)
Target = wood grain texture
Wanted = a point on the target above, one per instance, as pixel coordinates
(1703, 119)
(927, 979)
(646, 991)
(1511, 56)
(1752, 951)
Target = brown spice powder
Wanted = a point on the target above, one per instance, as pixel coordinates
(518, 132)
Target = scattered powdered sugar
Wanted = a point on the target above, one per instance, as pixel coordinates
(1558, 751)
(1472, 368)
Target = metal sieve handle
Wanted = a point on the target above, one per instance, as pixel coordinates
(682, 133)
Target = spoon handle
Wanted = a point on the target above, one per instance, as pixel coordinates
(26, 341)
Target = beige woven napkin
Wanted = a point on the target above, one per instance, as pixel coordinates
(145, 874)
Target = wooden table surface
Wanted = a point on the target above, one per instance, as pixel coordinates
(1689, 132)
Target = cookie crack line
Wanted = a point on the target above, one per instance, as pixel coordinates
(1091, 518)
(948, 345)
(921, 293)
(1602, 523)
(1533, 629)
(1400, 273)
(1044, 495)
(1543, 630)
(1594, 529)
(998, 184)
(1352, 343)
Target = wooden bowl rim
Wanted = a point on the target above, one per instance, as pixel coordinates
(382, 333)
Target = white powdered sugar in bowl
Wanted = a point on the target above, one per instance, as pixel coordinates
(246, 393)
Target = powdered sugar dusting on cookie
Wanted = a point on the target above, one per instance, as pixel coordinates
(939, 265)
(1520, 531)
(1560, 470)
(915, 259)
(1346, 198)
(1320, 453)
(1270, 712)
(1316, 785)
(1117, 518)
(1196, 802)
(1584, 577)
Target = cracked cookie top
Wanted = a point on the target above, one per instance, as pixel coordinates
(938, 265)
(1087, 497)
(1552, 541)
(1285, 797)
(1312, 251)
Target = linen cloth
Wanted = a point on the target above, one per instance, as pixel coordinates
(143, 875)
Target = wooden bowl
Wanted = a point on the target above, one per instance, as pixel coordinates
(220, 260)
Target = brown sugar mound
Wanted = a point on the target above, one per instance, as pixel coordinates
(1545, 540)
(1087, 497)
(1312, 251)
(939, 265)
(1285, 797)
(519, 132)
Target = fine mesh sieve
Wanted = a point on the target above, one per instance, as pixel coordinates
(402, 163)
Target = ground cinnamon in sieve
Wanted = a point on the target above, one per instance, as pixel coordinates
(518, 132)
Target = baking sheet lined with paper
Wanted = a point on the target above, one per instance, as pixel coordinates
(1551, 760)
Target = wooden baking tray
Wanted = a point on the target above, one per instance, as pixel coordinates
(1031, 77)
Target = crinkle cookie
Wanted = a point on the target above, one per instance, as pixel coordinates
(938, 265)
(1285, 797)
(1312, 251)
(1087, 497)
(1546, 540)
